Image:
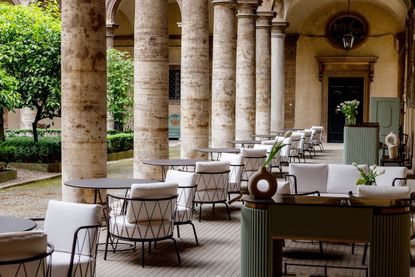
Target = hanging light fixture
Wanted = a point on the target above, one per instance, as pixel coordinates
(348, 37)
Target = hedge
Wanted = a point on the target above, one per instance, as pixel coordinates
(48, 149)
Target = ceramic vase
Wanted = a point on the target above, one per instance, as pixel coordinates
(262, 184)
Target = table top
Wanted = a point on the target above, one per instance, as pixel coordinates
(15, 224)
(107, 183)
(245, 141)
(265, 136)
(173, 162)
(218, 150)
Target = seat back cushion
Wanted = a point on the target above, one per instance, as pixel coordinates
(391, 172)
(21, 245)
(310, 177)
(383, 192)
(342, 178)
(236, 166)
(153, 209)
(187, 182)
(64, 218)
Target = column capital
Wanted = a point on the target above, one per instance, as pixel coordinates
(278, 28)
(224, 2)
(247, 8)
(264, 18)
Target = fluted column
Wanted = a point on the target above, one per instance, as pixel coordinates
(84, 101)
(151, 83)
(194, 104)
(278, 75)
(223, 72)
(263, 71)
(245, 70)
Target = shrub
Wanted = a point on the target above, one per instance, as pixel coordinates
(24, 149)
(120, 142)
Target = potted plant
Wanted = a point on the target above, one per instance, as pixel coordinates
(349, 109)
(368, 178)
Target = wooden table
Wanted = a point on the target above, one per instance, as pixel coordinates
(15, 224)
(166, 164)
(217, 150)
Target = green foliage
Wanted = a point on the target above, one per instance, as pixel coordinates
(27, 132)
(368, 178)
(120, 142)
(276, 147)
(30, 51)
(9, 98)
(48, 148)
(24, 149)
(120, 77)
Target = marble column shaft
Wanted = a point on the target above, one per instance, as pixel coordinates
(223, 72)
(278, 75)
(84, 101)
(245, 70)
(195, 92)
(263, 72)
(151, 84)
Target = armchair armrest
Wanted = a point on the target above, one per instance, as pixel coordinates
(399, 181)
(292, 180)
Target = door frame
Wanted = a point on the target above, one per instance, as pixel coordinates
(346, 66)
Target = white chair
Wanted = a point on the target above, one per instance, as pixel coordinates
(212, 184)
(317, 137)
(186, 194)
(276, 160)
(24, 254)
(305, 142)
(253, 160)
(146, 216)
(236, 166)
(295, 147)
(73, 230)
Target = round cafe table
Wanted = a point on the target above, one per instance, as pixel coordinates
(15, 224)
(165, 164)
(217, 150)
(244, 142)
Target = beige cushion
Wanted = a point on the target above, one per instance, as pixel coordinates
(151, 210)
(21, 245)
(383, 192)
(310, 177)
(253, 153)
(391, 172)
(342, 178)
(120, 226)
(211, 167)
(64, 218)
(184, 179)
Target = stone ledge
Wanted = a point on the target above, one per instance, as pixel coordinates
(120, 155)
(7, 175)
(43, 167)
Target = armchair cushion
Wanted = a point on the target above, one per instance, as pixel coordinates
(383, 192)
(212, 167)
(63, 218)
(22, 245)
(253, 153)
(310, 177)
(391, 172)
(342, 178)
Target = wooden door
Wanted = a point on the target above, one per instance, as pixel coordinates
(341, 89)
(385, 110)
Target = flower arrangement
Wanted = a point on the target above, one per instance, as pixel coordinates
(368, 178)
(276, 147)
(349, 109)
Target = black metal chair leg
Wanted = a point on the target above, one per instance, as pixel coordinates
(177, 250)
(213, 210)
(142, 254)
(320, 243)
(364, 254)
(229, 212)
(353, 248)
(200, 213)
(106, 246)
(194, 231)
(149, 247)
(178, 231)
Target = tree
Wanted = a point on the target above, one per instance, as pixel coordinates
(120, 77)
(30, 52)
(9, 98)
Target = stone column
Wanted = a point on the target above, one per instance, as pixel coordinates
(263, 71)
(223, 72)
(245, 70)
(278, 75)
(194, 104)
(27, 116)
(84, 101)
(151, 84)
